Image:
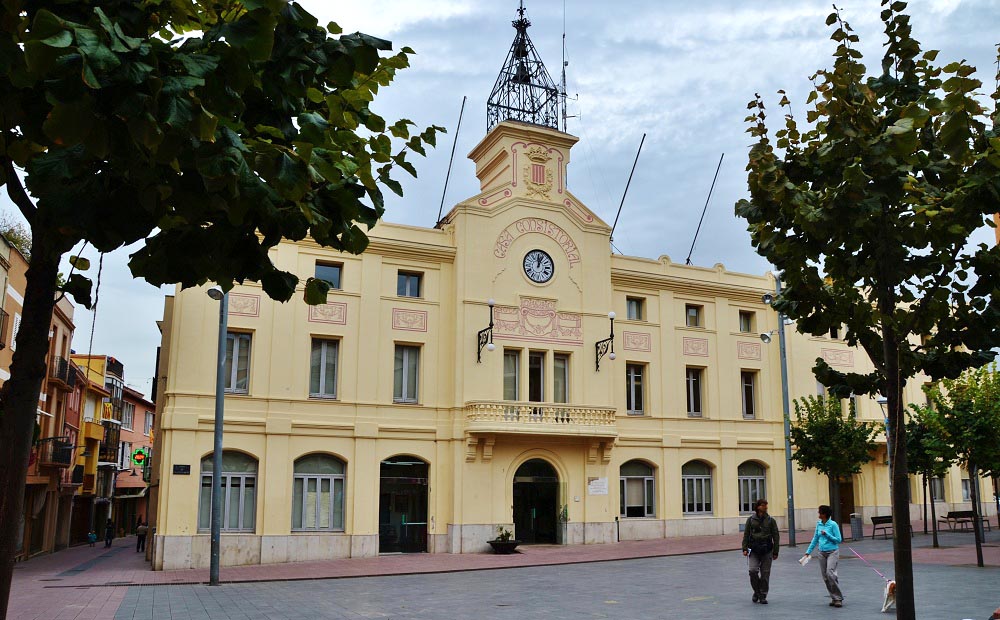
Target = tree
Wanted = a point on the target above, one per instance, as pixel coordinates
(16, 234)
(832, 442)
(866, 209)
(966, 415)
(208, 131)
(927, 455)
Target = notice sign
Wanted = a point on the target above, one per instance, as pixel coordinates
(597, 486)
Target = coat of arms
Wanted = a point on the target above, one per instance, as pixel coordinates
(537, 176)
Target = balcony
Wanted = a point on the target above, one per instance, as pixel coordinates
(55, 452)
(61, 373)
(515, 418)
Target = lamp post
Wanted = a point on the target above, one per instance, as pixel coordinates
(217, 294)
(601, 346)
(768, 299)
(485, 336)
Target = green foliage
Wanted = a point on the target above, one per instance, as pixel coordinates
(927, 450)
(966, 418)
(209, 131)
(503, 534)
(16, 234)
(867, 208)
(829, 440)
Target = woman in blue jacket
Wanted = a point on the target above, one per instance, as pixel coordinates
(828, 539)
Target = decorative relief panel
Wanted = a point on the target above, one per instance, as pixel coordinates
(578, 211)
(536, 225)
(409, 320)
(837, 357)
(538, 176)
(695, 346)
(241, 304)
(538, 320)
(494, 197)
(331, 312)
(637, 341)
(748, 350)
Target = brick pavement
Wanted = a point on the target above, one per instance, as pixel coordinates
(71, 583)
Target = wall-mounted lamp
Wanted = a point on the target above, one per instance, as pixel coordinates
(766, 336)
(601, 346)
(486, 336)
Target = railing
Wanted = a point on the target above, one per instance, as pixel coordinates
(55, 452)
(61, 370)
(4, 318)
(546, 418)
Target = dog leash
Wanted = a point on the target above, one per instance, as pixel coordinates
(860, 557)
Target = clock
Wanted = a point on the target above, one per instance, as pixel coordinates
(538, 266)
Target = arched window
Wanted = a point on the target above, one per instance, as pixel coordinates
(636, 490)
(239, 492)
(318, 493)
(751, 477)
(696, 480)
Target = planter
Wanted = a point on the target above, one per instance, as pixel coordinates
(504, 547)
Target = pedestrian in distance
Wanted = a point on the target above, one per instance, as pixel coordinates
(828, 538)
(109, 533)
(92, 538)
(760, 547)
(140, 536)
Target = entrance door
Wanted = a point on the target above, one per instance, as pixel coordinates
(536, 502)
(845, 500)
(402, 506)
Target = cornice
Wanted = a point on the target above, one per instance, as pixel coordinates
(639, 279)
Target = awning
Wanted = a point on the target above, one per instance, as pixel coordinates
(141, 493)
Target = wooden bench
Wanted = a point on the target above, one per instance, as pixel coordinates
(963, 519)
(883, 523)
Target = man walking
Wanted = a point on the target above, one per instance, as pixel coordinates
(140, 536)
(760, 546)
(828, 538)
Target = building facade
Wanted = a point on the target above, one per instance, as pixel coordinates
(131, 499)
(382, 421)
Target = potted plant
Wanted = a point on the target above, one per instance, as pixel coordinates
(504, 542)
(564, 524)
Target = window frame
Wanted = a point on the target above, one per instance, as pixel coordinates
(747, 316)
(232, 379)
(698, 320)
(630, 389)
(405, 397)
(403, 288)
(149, 422)
(325, 344)
(128, 415)
(339, 284)
(966, 490)
(648, 493)
(698, 391)
(749, 413)
(696, 484)
(936, 481)
(540, 356)
(748, 484)
(516, 355)
(227, 485)
(639, 305)
(556, 373)
(334, 479)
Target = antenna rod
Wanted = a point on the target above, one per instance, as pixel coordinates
(564, 63)
(629, 182)
(450, 160)
(693, 241)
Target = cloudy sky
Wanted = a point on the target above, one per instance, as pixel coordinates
(681, 72)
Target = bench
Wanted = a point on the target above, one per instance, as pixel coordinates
(882, 523)
(963, 519)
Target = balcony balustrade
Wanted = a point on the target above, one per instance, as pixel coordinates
(540, 419)
(62, 374)
(55, 452)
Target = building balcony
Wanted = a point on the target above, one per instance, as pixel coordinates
(55, 452)
(515, 418)
(61, 374)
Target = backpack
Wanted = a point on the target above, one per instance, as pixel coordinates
(761, 546)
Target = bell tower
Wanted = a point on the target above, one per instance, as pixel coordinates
(524, 90)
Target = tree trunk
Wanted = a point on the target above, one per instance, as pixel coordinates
(19, 402)
(977, 525)
(934, 528)
(835, 497)
(924, 478)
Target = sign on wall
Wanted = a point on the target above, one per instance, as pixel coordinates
(597, 486)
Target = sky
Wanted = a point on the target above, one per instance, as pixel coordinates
(680, 72)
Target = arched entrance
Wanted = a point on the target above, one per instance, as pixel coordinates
(536, 502)
(402, 505)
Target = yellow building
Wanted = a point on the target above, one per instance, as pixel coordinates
(381, 422)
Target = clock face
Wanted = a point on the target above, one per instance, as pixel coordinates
(538, 266)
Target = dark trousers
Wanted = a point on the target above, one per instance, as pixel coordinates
(108, 538)
(140, 542)
(759, 565)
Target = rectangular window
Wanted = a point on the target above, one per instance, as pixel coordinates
(697, 494)
(239, 500)
(128, 415)
(408, 284)
(536, 376)
(748, 384)
(634, 396)
(636, 495)
(237, 369)
(330, 273)
(560, 378)
(318, 502)
(511, 374)
(966, 490)
(746, 321)
(693, 315)
(694, 409)
(148, 428)
(125, 455)
(406, 374)
(820, 389)
(751, 489)
(937, 489)
(323, 368)
(835, 333)
(634, 308)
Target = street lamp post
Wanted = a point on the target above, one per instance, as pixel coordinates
(783, 355)
(882, 401)
(217, 294)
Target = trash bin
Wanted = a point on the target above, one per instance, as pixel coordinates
(857, 527)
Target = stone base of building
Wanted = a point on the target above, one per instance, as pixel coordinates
(180, 552)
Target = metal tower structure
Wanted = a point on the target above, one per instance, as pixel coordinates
(524, 91)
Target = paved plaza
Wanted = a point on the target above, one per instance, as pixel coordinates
(548, 582)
